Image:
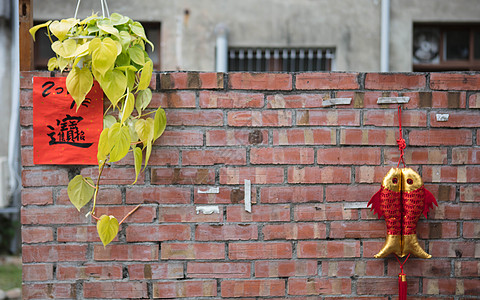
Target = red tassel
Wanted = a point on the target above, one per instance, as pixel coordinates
(402, 286)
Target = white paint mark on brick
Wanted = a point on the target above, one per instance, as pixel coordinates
(210, 190)
(442, 117)
(248, 195)
(208, 210)
(392, 100)
(336, 101)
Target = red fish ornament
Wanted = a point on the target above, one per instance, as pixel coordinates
(401, 200)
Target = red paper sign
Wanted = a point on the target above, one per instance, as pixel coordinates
(61, 134)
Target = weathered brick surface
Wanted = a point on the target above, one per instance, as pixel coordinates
(312, 171)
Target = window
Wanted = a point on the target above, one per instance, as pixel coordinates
(43, 51)
(280, 59)
(446, 47)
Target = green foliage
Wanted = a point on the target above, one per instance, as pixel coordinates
(112, 52)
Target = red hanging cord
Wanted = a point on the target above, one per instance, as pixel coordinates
(402, 280)
(401, 142)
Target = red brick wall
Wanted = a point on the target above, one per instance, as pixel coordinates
(305, 162)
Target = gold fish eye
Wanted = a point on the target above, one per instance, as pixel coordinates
(394, 180)
(409, 181)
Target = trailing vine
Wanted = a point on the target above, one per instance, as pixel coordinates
(111, 51)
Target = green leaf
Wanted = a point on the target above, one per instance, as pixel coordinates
(108, 28)
(113, 84)
(123, 60)
(119, 140)
(136, 54)
(65, 49)
(130, 78)
(103, 54)
(146, 76)
(52, 63)
(160, 123)
(131, 126)
(34, 29)
(137, 154)
(103, 146)
(107, 228)
(147, 153)
(81, 50)
(137, 28)
(118, 19)
(79, 191)
(61, 29)
(143, 99)
(144, 129)
(79, 82)
(108, 121)
(128, 107)
(125, 39)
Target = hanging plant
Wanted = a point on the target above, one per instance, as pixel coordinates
(110, 50)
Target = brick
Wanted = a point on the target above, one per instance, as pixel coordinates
(183, 176)
(26, 98)
(37, 196)
(113, 175)
(27, 157)
(294, 231)
(53, 253)
(214, 99)
(319, 175)
(170, 270)
(257, 175)
(267, 118)
(471, 230)
(253, 288)
(456, 119)
(190, 251)
(144, 214)
(236, 137)
(322, 212)
(396, 81)
(125, 252)
(368, 99)
(296, 101)
(350, 193)
(473, 100)
(374, 137)
(385, 286)
(37, 234)
(182, 214)
(158, 157)
(285, 268)
(440, 137)
(49, 291)
(448, 100)
(371, 247)
(194, 117)
(225, 195)
(328, 117)
(282, 156)
(26, 137)
(441, 286)
(328, 249)
(467, 269)
(178, 99)
(26, 117)
(442, 192)
(214, 157)
(37, 272)
(165, 195)
(261, 213)
(26, 78)
(42, 215)
(349, 156)
(423, 268)
(260, 81)
(454, 81)
(89, 271)
(186, 288)
(449, 211)
(223, 232)
(356, 268)
(461, 174)
(390, 118)
(438, 230)
(191, 80)
(106, 196)
(470, 193)
(218, 270)
(180, 138)
(451, 249)
(260, 250)
(368, 174)
(319, 286)
(469, 287)
(153, 233)
(44, 177)
(417, 156)
(357, 230)
(115, 289)
(291, 194)
(464, 156)
(310, 136)
(327, 81)
(79, 234)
